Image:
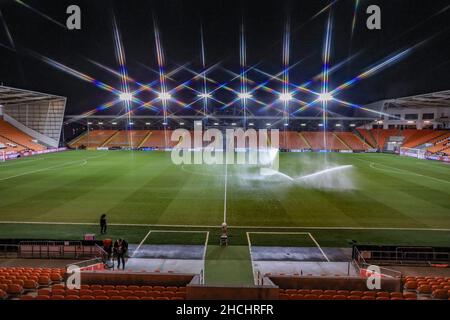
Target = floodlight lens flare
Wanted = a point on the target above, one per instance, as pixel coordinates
(205, 96)
(125, 96)
(244, 95)
(285, 97)
(164, 96)
(326, 96)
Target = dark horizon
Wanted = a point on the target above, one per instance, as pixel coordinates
(405, 23)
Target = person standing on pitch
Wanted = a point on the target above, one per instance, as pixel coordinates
(103, 224)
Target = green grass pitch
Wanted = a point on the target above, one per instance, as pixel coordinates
(393, 199)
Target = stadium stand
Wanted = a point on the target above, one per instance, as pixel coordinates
(441, 143)
(127, 139)
(316, 141)
(353, 141)
(413, 288)
(15, 136)
(159, 139)
(292, 140)
(381, 136)
(9, 146)
(420, 137)
(93, 139)
(367, 137)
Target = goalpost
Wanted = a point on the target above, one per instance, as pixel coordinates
(412, 152)
(2, 156)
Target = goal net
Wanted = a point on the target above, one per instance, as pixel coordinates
(411, 152)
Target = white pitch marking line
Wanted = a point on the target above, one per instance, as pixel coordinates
(19, 162)
(399, 171)
(318, 246)
(142, 242)
(297, 233)
(255, 279)
(215, 226)
(48, 168)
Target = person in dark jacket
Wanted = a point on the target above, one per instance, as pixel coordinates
(103, 224)
(120, 251)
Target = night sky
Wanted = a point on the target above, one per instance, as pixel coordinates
(404, 24)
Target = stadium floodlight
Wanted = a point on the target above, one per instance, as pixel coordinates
(244, 95)
(89, 123)
(233, 124)
(216, 123)
(164, 96)
(268, 124)
(114, 123)
(147, 123)
(338, 125)
(303, 124)
(352, 125)
(181, 123)
(326, 96)
(164, 123)
(251, 124)
(285, 97)
(205, 95)
(320, 124)
(286, 124)
(131, 123)
(100, 123)
(125, 96)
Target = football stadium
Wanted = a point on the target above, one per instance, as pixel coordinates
(211, 151)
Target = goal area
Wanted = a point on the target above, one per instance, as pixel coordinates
(412, 152)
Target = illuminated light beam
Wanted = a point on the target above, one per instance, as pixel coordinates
(355, 106)
(293, 85)
(125, 96)
(161, 65)
(286, 96)
(355, 16)
(243, 95)
(40, 13)
(205, 95)
(121, 60)
(373, 70)
(8, 33)
(324, 96)
(77, 74)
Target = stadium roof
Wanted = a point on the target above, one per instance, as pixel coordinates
(439, 99)
(13, 96)
(435, 100)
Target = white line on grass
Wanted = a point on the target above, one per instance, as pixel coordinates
(399, 171)
(16, 162)
(215, 226)
(48, 168)
(294, 233)
(255, 279)
(318, 246)
(141, 243)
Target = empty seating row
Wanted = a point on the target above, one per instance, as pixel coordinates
(88, 297)
(324, 140)
(121, 287)
(353, 141)
(127, 139)
(18, 137)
